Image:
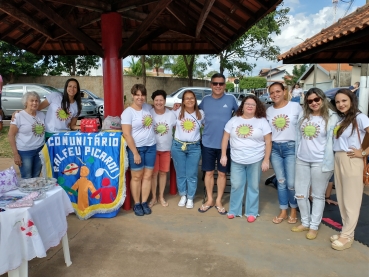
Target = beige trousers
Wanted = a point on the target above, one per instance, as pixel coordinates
(348, 179)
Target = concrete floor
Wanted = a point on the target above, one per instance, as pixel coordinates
(176, 241)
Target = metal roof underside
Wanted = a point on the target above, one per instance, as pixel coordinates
(151, 27)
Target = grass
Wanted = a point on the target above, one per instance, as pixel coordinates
(5, 150)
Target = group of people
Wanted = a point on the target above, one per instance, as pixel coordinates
(305, 145)
(30, 127)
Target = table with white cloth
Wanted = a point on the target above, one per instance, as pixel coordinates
(26, 233)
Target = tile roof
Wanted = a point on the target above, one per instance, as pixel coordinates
(343, 33)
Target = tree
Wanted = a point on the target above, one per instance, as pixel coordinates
(74, 65)
(211, 73)
(158, 61)
(297, 72)
(15, 62)
(229, 86)
(253, 82)
(255, 43)
(135, 68)
(188, 66)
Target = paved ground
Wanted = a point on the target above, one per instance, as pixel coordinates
(175, 241)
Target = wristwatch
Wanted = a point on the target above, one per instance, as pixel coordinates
(363, 153)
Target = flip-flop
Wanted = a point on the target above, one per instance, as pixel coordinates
(221, 211)
(204, 209)
(278, 220)
(292, 220)
(153, 203)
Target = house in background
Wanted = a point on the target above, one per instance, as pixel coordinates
(326, 76)
(276, 74)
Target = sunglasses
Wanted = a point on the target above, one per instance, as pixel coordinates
(216, 83)
(316, 100)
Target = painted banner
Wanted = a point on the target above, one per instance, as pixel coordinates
(91, 168)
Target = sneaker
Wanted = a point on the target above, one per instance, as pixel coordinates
(189, 204)
(146, 208)
(183, 201)
(137, 208)
(251, 219)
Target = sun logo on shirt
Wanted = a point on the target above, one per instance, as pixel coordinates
(281, 122)
(335, 130)
(310, 130)
(147, 121)
(62, 115)
(161, 128)
(38, 129)
(188, 125)
(244, 130)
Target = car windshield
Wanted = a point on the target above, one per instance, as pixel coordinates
(174, 93)
(52, 89)
(93, 95)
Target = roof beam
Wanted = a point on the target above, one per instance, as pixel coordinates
(80, 23)
(93, 5)
(64, 24)
(204, 14)
(126, 48)
(24, 18)
(10, 29)
(125, 5)
(149, 38)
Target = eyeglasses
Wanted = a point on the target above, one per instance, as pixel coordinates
(217, 83)
(250, 104)
(316, 100)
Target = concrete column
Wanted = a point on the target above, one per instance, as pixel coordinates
(364, 89)
(111, 33)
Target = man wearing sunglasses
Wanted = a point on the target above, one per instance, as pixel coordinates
(218, 108)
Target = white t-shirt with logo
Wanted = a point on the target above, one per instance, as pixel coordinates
(188, 128)
(56, 118)
(163, 129)
(31, 130)
(142, 125)
(347, 140)
(283, 121)
(313, 140)
(247, 138)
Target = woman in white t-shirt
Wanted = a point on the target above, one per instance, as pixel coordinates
(282, 118)
(164, 121)
(315, 159)
(138, 131)
(296, 93)
(186, 150)
(27, 136)
(64, 109)
(250, 140)
(348, 164)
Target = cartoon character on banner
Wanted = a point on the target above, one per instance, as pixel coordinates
(108, 193)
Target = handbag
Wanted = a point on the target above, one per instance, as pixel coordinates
(364, 145)
(90, 125)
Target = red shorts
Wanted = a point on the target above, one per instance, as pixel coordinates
(162, 162)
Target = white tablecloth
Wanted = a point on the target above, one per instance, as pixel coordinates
(26, 233)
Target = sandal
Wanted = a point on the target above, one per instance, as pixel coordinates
(278, 220)
(292, 220)
(152, 203)
(220, 210)
(337, 245)
(334, 237)
(204, 209)
(164, 203)
(300, 228)
(312, 234)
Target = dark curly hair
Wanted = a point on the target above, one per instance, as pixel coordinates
(350, 116)
(260, 108)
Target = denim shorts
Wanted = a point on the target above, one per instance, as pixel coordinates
(148, 155)
(210, 156)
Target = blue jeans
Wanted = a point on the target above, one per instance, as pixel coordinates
(31, 163)
(283, 160)
(310, 175)
(186, 164)
(240, 175)
(296, 99)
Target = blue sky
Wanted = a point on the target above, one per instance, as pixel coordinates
(307, 17)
